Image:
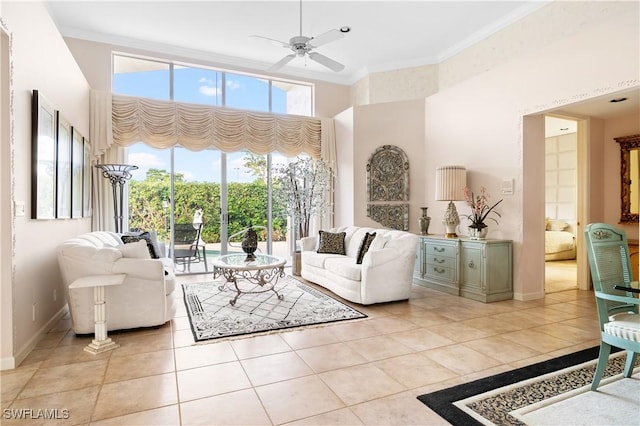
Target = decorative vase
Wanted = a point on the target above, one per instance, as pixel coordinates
(478, 234)
(250, 243)
(424, 221)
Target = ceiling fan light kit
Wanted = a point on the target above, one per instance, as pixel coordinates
(302, 46)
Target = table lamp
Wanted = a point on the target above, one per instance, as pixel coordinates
(450, 183)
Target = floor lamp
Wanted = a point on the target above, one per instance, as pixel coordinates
(450, 183)
(118, 175)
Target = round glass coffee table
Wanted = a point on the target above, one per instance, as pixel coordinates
(249, 276)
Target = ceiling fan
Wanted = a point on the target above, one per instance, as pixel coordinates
(302, 45)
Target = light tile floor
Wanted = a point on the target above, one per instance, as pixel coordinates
(357, 372)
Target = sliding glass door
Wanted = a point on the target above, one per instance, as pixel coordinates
(200, 204)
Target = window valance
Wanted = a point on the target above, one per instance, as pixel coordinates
(163, 124)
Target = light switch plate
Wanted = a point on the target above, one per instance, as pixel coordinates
(507, 187)
(19, 205)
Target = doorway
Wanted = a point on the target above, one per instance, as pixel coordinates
(561, 203)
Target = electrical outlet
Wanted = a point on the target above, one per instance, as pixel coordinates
(55, 294)
(33, 312)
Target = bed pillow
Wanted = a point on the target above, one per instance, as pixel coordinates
(557, 225)
(331, 242)
(364, 246)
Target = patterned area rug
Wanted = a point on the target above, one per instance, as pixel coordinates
(494, 399)
(212, 316)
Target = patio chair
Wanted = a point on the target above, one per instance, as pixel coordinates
(188, 247)
(616, 295)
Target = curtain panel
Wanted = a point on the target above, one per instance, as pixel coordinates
(163, 124)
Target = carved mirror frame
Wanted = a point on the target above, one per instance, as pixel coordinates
(627, 144)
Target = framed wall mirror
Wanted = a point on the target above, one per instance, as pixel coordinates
(629, 178)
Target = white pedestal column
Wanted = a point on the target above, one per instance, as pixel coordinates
(101, 342)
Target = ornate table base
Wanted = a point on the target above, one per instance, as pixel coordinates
(265, 278)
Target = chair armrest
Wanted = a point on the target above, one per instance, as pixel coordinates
(150, 269)
(308, 243)
(616, 298)
(375, 258)
(630, 289)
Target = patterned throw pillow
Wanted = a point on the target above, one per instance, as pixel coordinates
(137, 236)
(331, 242)
(364, 246)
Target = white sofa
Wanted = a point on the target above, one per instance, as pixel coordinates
(144, 299)
(386, 272)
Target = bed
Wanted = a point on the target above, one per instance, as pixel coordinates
(559, 241)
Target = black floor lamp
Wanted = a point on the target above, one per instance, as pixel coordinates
(118, 175)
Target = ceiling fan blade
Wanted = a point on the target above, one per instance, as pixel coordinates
(281, 63)
(274, 41)
(325, 38)
(327, 62)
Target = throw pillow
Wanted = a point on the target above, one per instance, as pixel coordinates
(379, 242)
(135, 250)
(331, 242)
(364, 246)
(137, 236)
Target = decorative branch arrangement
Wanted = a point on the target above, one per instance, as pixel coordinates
(305, 183)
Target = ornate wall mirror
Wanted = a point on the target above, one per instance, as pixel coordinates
(629, 178)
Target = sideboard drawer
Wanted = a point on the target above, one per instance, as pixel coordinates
(436, 260)
(441, 273)
(440, 250)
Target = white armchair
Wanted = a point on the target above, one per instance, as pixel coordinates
(145, 298)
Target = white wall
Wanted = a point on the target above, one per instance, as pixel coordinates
(479, 122)
(359, 132)
(344, 208)
(396, 85)
(41, 61)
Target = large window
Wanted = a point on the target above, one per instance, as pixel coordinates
(227, 191)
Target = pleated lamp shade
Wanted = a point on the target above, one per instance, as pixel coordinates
(450, 183)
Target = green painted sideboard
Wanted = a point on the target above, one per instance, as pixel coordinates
(481, 270)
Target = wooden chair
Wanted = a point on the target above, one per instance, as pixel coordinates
(616, 299)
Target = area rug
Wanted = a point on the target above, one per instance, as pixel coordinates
(213, 317)
(497, 399)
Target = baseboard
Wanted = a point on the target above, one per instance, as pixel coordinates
(8, 363)
(17, 359)
(523, 297)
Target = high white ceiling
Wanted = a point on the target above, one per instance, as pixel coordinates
(384, 35)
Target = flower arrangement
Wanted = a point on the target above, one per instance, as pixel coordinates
(480, 208)
(304, 184)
